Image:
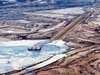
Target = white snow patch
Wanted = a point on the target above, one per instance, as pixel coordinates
(10, 31)
(21, 43)
(43, 2)
(96, 51)
(2, 56)
(70, 43)
(92, 15)
(98, 16)
(57, 26)
(70, 17)
(57, 43)
(60, 13)
(19, 63)
(23, 21)
(53, 59)
(98, 23)
(92, 8)
(49, 15)
(75, 10)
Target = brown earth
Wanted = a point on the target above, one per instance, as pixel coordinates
(84, 56)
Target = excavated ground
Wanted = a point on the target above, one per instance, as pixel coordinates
(36, 21)
(84, 57)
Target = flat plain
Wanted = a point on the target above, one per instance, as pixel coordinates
(76, 24)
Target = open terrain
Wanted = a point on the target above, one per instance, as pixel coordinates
(78, 26)
(37, 21)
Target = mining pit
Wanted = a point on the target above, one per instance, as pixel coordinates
(78, 26)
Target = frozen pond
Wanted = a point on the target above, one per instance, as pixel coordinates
(14, 54)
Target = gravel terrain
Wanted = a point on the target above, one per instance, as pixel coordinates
(81, 32)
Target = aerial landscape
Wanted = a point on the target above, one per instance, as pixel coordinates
(49, 37)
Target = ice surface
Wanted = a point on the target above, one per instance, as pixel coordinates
(86, 73)
(97, 68)
(29, 74)
(14, 54)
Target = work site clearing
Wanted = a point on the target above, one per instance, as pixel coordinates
(73, 36)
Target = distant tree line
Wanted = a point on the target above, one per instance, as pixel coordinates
(24, 0)
(49, 1)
